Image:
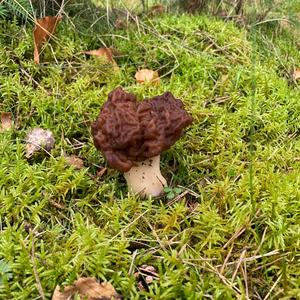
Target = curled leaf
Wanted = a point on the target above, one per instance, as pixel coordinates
(44, 29)
(106, 53)
(39, 139)
(86, 288)
(147, 76)
(6, 122)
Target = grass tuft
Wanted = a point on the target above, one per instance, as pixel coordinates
(218, 237)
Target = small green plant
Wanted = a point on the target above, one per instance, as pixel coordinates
(5, 272)
(20, 9)
(172, 192)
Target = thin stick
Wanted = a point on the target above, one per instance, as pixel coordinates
(226, 260)
(36, 275)
(244, 270)
(262, 241)
(235, 235)
(252, 258)
(238, 265)
(134, 255)
(272, 288)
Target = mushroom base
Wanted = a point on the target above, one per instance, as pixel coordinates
(145, 178)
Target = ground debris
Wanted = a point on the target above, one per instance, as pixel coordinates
(75, 162)
(147, 76)
(44, 29)
(86, 288)
(145, 276)
(39, 139)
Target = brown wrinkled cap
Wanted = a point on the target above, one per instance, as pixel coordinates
(127, 131)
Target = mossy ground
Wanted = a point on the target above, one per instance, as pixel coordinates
(233, 235)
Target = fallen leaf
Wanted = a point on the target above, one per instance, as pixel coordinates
(157, 9)
(296, 74)
(75, 162)
(87, 288)
(147, 76)
(39, 139)
(106, 53)
(6, 122)
(44, 29)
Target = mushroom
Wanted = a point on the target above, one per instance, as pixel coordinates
(132, 134)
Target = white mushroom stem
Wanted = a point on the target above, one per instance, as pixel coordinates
(145, 178)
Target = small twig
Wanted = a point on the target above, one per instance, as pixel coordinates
(155, 234)
(268, 264)
(262, 241)
(134, 255)
(177, 198)
(36, 275)
(244, 271)
(272, 288)
(252, 258)
(238, 264)
(226, 260)
(225, 280)
(235, 236)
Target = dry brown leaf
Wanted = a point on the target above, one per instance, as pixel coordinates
(75, 161)
(157, 9)
(87, 288)
(147, 76)
(296, 74)
(106, 53)
(44, 29)
(6, 122)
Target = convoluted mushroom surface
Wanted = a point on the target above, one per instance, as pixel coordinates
(128, 131)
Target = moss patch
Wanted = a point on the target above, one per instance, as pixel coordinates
(238, 163)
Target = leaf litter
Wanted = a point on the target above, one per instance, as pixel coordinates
(106, 53)
(44, 29)
(75, 162)
(86, 288)
(147, 76)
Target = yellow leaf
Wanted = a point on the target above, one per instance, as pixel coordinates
(147, 76)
